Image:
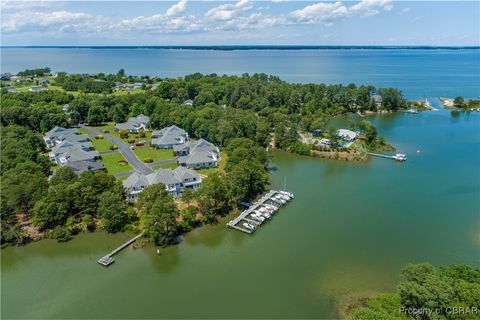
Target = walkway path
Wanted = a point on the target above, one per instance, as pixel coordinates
(124, 150)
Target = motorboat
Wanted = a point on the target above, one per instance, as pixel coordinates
(400, 157)
(248, 226)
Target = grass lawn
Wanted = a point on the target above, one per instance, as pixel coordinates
(220, 168)
(166, 166)
(153, 153)
(121, 178)
(101, 144)
(111, 163)
(98, 144)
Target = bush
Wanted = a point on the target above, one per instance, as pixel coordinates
(142, 134)
(99, 136)
(113, 147)
(300, 148)
(123, 134)
(131, 141)
(122, 163)
(87, 223)
(61, 234)
(106, 131)
(147, 160)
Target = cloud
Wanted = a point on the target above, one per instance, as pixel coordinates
(322, 11)
(23, 5)
(327, 12)
(371, 7)
(228, 11)
(404, 10)
(41, 18)
(177, 8)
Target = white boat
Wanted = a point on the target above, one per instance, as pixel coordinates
(248, 226)
(271, 206)
(258, 217)
(266, 215)
(400, 157)
(412, 111)
(254, 217)
(287, 193)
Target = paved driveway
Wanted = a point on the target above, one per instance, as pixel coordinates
(123, 148)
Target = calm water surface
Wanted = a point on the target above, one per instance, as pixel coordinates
(418, 73)
(348, 232)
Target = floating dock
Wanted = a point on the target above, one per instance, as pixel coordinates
(108, 260)
(245, 216)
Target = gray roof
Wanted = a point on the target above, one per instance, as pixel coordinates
(169, 136)
(57, 131)
(166, 176)
(198, 157)
(72, 137)
(135, 180)
(37, 88)
(133, 123)
(199, 151)
(82, 166)
(66, 145)
(78, 154)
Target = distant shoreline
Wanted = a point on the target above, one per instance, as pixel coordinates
(255, 47)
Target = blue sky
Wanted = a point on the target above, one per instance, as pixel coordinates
(365, 22)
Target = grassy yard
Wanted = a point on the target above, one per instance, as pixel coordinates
(101, 144)
(220, 168)
(153, 153)
(98, 144)
(166, 166)
(111, 163)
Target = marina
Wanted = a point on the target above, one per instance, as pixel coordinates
(260, 211)
(108, 260)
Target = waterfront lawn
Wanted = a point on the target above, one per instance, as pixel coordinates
(111, 163)
(220, 168)
(155, 154)
(166, 166)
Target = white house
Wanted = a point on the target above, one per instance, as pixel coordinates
(347, 135)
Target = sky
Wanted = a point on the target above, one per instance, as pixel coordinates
(242, 22)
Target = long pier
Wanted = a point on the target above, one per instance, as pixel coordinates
(395, 157)
(243, 216)
(107, 259)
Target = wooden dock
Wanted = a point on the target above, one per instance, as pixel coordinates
(386, 156)
(108, 260)
(243, 216)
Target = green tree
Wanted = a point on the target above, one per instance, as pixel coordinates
(213, 197)
(48, 214)
(96, 115)
(159, 221)
(63, 175)
(112, 211)
(459, 102)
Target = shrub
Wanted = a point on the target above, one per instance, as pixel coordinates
(106, 131)
(122, 163)
(141, 134)
(131, 141)
(61, 234)
(147, 160)
(123, 134)
(113, 147)
(87, 223)
(99, 136)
